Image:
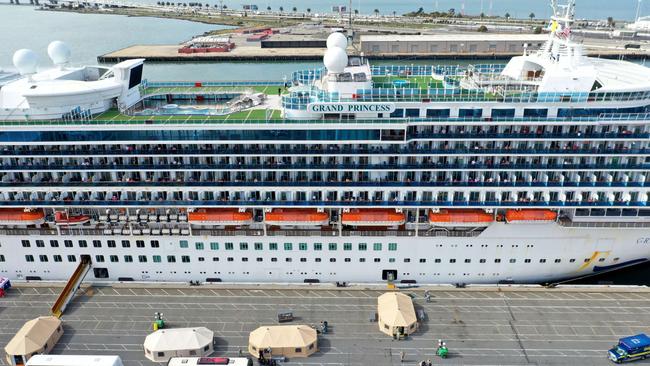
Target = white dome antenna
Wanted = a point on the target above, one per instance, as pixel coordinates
(337, 40)
(59, 53)
(335, 60)
(26, 61)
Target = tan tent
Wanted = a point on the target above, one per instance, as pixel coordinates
(396, 314)
(283, 340)
(164, 344)
(36, 336)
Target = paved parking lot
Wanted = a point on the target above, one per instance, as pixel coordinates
(485, 326)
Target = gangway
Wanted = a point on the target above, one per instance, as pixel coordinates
(71, 287)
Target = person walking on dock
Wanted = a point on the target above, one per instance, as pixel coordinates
(402, 356)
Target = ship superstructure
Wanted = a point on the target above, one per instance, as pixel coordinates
(530, 172)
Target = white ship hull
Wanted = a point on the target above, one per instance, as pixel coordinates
(522, 253)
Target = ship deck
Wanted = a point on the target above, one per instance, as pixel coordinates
(481, 325)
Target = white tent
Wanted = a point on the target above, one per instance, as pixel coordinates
(163, 344)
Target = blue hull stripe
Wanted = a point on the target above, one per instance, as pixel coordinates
(614, 266)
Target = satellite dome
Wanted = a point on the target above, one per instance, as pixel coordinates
(337, 40)
(59, 52)
(335, 60)
(26, 61)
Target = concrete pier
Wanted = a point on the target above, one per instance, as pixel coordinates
(481, 325)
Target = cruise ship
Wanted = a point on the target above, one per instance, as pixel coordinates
(534, 171)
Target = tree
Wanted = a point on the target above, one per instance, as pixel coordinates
(507, 15)
(308, 10)
(610, 22)
(268, 8)
(451, 12)
(531, 16)
(281, 9)
(224, 7)
(294, 9)
(356, 11)
(482, 29)
(482, 15)
(376, 11)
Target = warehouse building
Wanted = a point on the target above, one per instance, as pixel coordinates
(451, 44)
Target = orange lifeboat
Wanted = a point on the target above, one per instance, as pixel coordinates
(373, 217)
(460, 218)
(299, 216)
(220, 216)
(63, 219)
(19, 216)
(530, 215)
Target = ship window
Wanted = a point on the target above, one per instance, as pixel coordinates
(503, 113)
(273, 246)
(558, 260)
(376, 247)
(470, 113)
(467, 260)
(497, 260)
(230, 259)
(42, 258)
(58, 258)
(97, 243)
(586, 260)
(126, 244)
(128, 258)
(185, 258)
(572, 260)
(601, 259)
(54, 243)
(67, 243)
(99, 258)
(287, 259)
(392, 247)
(452, 260)
(2, 258)
(142, 258)
(215, 259)
(437, 260)
(109, 243)
(139, 243)
(597, 85)
(157, 259)
(244, 259)
(318, 260)
(377, 260)
(155, 244)
(83, 244)
(347, 246)
(274, 259)
(513, 260)
(259, 246)
(527, 260)
(288, 246)
(423, 260)
(25, 243)
(438, 113)
(412, 112)
(243, 246)
(332, 260)
(199, 246)
(398, 113)
(347, 260)
(332, 246)
(230, 246)
(29, 258)
(72, 258)
(40, 243)
(303, 259)
(184, 244)
(363, 246)
(362, 260)
(407, 260)
(171, 259)
(391, 260)
(532, 113)
(482, 260)
(542, 260)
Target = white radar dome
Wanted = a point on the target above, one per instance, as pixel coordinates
(26, 61)
(335, 60)
(337, 40)
(59, 52)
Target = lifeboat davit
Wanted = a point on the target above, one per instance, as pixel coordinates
(63, 219)
(373, 217)
(460, 218)
(19, 216)
(297, 217)
(530, 215)
(220, 216)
